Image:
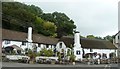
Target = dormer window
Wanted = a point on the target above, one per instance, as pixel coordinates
(60, 45)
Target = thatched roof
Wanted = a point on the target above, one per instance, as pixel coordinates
(21, 36)
(86, 43)
(89, 43)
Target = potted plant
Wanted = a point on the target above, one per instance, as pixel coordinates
(59, 57)
(32, 56)
(72, 58)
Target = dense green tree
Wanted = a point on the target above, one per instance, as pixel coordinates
(35, 10)
(16, 16)
(91, 36)
(19, 16)
(44, 27)
(98, 37)
(48, 17)
(109, 38)
(64, 24)
(82, 36)
(50, 28)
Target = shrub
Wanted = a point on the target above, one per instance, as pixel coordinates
(72, 57)
(45, 52)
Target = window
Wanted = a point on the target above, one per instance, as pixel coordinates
(118, 37)
(60, 45)
(91, 50)
(7, 42)
(39, 45)
(23, 43)
(78, 52)
(47, 46)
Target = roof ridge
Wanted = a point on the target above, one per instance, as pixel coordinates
(34, 34)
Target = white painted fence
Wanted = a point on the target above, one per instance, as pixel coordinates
(16, 57)
(42, 57)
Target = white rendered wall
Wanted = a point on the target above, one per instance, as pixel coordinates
(77, 47)
(77, 40)
(18, 43)
(101, 51)
(42, 46)
(49, 47)
(78, 56)
(58, 46)
(119, 37)
(28, 45)
(116, 40)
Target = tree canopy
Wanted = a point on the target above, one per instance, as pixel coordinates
(108, 37)
(19, 16)
(64, 24)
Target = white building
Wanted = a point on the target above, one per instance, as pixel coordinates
(80, 46)
(20, 40)
(84, 46)
(116, 42)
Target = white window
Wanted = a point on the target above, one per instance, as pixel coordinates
(7, 42)
(91, 50)
(44, 46)
(78, 52)
(23, 43)
(60, 45)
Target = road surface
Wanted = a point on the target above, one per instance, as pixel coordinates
(12, 65)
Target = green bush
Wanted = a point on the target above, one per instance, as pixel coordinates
(31, 54)
(59, 56)
(45, 52)
(72, 57)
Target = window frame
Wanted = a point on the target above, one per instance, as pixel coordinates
(24, 43)
(47, 46)
(60, 45)
(78, 52)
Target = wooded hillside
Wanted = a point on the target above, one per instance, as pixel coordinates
(19, 16)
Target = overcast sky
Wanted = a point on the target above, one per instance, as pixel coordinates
(97, 17)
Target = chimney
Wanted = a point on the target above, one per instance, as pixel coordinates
(78, 51)
(29, 34)
(77, 39)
